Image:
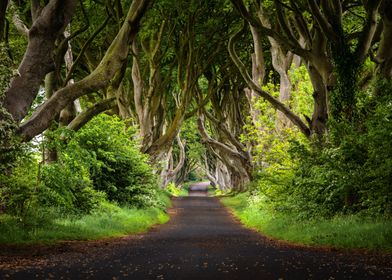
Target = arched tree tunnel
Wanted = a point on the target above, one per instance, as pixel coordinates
(291, 96)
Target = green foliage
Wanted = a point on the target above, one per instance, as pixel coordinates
(49, 225)
(348, 231)
(271, 152)
(352, 171)
(176, 191)
(68, 199)
(114, 163)
(68, 189)
(17, 191)
(10, 148)
(302, 91)
(173, 189)
(98, 162)
(347, 172)
(6, 66)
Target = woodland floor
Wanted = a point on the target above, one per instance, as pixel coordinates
(201, 241)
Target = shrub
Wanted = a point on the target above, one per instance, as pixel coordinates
(173, 189)
(115, 165)
(18, 190)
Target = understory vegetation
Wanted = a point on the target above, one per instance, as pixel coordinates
(346, 172)
(100, 185)
(121, 104)
(48, 225)
(353, 231)
(335, 191)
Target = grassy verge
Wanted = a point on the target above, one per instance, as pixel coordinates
(350, 232)
(211, 191)
(108, 221)
(184, 192)
(176, 191)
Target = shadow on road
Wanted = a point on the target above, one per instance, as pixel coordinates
(201, 241)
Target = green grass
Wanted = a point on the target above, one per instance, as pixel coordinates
(211, 191)
(184, 192)
(346, 231)
(108, 221)
(176, 191)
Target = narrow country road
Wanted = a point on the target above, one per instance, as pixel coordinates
(201, 241)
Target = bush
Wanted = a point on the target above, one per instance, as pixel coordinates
(10, 147)
(115, 165)
(97, 163)
(173, 189)
(61, 187)
(18, 190)
(349, 171)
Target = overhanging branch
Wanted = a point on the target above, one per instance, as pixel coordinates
(265, 95)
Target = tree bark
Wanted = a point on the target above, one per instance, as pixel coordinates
(123, 102)
(3, 9)
(110, 64)
(72, 109)
(169, 175)
(384, 53)
(258, 75)
(318, 123)
(49, 152)
(83, 118)
(296, 120)
(38, 59)
(281, 62)
(237, 162)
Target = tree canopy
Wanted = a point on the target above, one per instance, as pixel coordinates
(288, 98)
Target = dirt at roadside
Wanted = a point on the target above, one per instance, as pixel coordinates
(201, 241)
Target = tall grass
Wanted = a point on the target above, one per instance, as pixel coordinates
(345, 231)
(107, 221)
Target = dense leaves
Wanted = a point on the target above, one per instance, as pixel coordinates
(295, 106)
(99, 162)
(346, 172)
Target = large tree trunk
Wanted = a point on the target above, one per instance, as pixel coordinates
(3, 9)
(319, 119)
(123, 102)
(148, 97)
(258, 74)
(39, 58)
(210, 171)
(384, 54)
(295, 119)
(281, 62)
(50, 151)
(236, 161)
(72, 109)
(110, 64)
(170, 172)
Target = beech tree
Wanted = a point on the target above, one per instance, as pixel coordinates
(44, 31)
(322, 44)
(160, 66)
(49, 22)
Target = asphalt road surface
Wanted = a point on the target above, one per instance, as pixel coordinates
(201, 241)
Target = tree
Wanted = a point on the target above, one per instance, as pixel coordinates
(322, 43)
(29, 80)
(49, 22)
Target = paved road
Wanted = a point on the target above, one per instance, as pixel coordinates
(199, 189)
(201, 241)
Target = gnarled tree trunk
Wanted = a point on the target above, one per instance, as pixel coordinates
(39, 57)
(100, 78)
